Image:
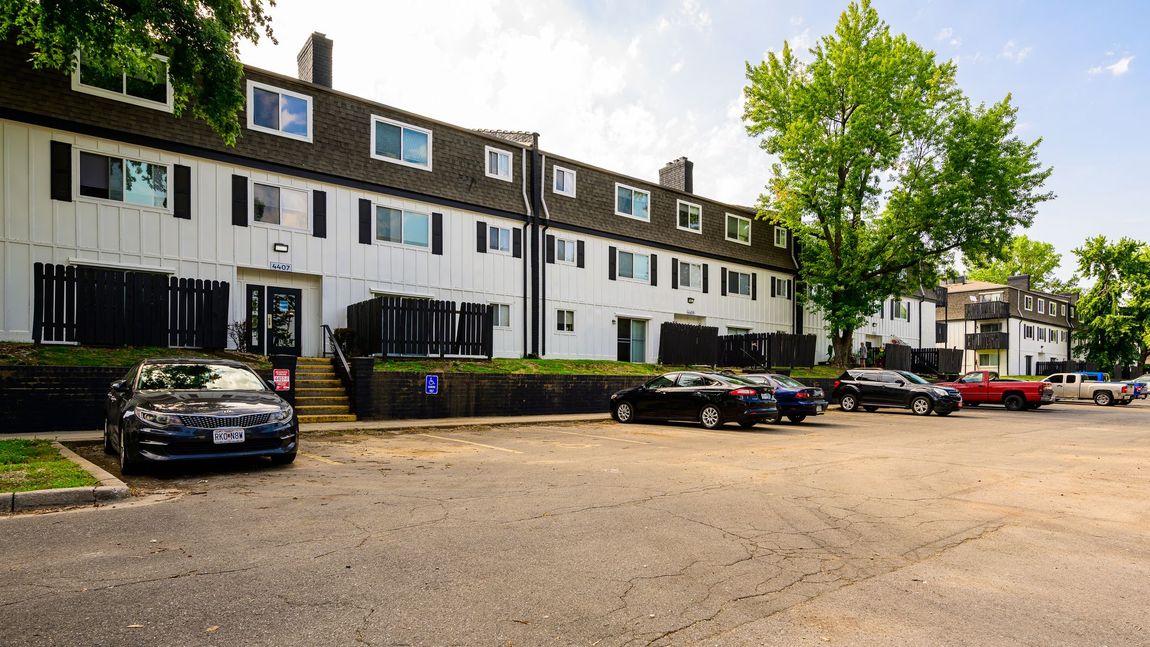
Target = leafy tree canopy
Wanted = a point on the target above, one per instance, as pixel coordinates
(884, 168)
(1024, 255)
(200, 38)
(1114, 314)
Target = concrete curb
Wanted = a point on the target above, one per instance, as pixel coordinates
(107, 488)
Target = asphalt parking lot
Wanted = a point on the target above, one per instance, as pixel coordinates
(983, 528)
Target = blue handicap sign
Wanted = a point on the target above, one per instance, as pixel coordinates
(431, 385)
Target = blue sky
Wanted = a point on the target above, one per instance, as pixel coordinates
(632, 85)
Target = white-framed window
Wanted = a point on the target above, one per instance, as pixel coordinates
(499, 240)
(502, 315)
(564, 182)
(780, 236)
(902, 310)
(690, 276)
(402, 227)
(1063, 309)
(498, 163)
(566, 251)
(1041, 307)
(1028, 302)
(990, 297)
(690, 217)
(632, 203)
(735, 330)
(116, 84)
(1041, 334)
(278, 205)
(120, 179)
(278, 111)
(565, 321)
(987, 359)
(636, 267)
(738, 229)
(400, 143)
(1027, 332)
(781, 288)
(739, 283)
(1063, 335)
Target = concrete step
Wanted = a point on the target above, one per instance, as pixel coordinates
(313, 361)
(327, 418)
(304, 383)
(329, 400)
(318, 392)
(316, 410)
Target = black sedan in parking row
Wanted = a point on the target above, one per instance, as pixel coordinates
(870, 389)
(710, 398)
(194, 409)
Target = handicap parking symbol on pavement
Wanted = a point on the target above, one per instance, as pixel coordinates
(431, 385)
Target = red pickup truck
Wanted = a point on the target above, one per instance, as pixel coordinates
(985, 387)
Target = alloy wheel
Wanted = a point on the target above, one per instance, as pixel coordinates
(920, 406)
(710, 417)
(623, 412)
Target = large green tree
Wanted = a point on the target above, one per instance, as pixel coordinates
(1023, 255)
(884, 169)
(200, 38)
(1114, 314)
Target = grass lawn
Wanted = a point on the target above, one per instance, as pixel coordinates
(37, 465)
(554, 367)
(59, 355)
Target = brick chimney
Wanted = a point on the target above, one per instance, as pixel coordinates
(314, 60)
(678, 174)
(1019, 281)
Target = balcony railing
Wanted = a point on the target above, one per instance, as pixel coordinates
(987, 340)
(988, 310)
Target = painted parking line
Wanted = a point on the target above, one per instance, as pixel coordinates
(320, 458)
(468, 442)
(622, 440)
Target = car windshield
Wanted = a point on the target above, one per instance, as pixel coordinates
(197, 377)
(912, 378)
(737, 381)
(788, 381)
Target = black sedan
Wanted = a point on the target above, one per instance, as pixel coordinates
(710, 398)
(192, 409)
(870, 389)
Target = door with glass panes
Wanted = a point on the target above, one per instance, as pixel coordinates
(632, 340)
(274, 320)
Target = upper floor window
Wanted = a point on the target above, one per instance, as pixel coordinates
(691, 275)
(393, 141)
(632, 202)
(1028, 302)
(780, 237)
(1063, 309)
(123, 180)
(781, 288)
(499, 240)
(274, 205)
(566, 251)
(498, 163)
(635, 266)
(564, 182)
(1028, 332)
(401, 226)
(278, 111)
(690, 217)
(738, 229)
(152, 91)
(1042, 307)
(739, 283)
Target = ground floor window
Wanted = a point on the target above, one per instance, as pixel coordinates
(502, 315)
(565, 320)
(987, 359)
(632, 340)
(734, 330)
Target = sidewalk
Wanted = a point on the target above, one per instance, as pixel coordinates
(382, 426)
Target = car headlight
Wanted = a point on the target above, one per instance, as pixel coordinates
(282, 414)
(942, 392)
(159, 419)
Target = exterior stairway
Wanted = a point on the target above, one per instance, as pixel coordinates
(319, 395)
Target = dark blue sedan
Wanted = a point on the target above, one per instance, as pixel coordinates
(796, 400)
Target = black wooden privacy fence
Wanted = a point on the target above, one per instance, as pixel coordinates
(421, 328)
(681, 343)
(1048, 368)
(686, 344)
(103, 307)
(936, 361)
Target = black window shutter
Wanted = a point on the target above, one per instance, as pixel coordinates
(654, 269)
(437, 234)
(319, 214)
(611, 263)
(517, 242)
(61, 166)
(239, 201)
(481, 237)
(674, 274)
(754, 286)
(365, 221)
(908, 312)
(882, 311)
(550, 248)
(182, 191)
(774, 287)
(723, 281)
(705, 286)
(790, 289)
(579, 253)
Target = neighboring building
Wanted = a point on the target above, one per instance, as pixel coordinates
(328, 199)
(1006, 328)
(908, 320)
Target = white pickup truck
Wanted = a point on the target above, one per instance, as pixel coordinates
(1072, 386)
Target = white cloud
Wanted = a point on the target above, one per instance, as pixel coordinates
(1118, 68)
(696, 15)
(1012, 52)
(801, 42)
(677, 67)
(946, 35)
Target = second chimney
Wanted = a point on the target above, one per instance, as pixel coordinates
(314, 60)
(678, 174)
(1019, 281)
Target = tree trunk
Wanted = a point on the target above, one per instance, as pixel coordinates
(842, 340)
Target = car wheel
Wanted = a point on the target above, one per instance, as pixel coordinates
(870, 409)
(283, 459)
(1014, 403)
(747, 424)
(849, 402)
(624, 412)
(710, 417)
(129, 464)
(921, 406)
(1102, 398)
(108, 448)
(796, 419)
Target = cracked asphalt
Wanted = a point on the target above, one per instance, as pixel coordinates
(983, 528)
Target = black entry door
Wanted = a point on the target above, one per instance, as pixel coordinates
(284, 321)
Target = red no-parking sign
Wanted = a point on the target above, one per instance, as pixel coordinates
(281, 377)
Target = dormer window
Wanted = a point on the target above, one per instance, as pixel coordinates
(279, 112)
(115, 84)
(498, 163)
(400, 143)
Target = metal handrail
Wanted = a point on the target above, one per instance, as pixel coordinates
(337, 352)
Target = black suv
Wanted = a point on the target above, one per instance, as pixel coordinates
(874, 388)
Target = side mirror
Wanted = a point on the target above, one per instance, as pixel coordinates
(120, 386)
(270, 384)
(900, 382)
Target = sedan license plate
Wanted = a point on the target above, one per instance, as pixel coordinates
(228, 435)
